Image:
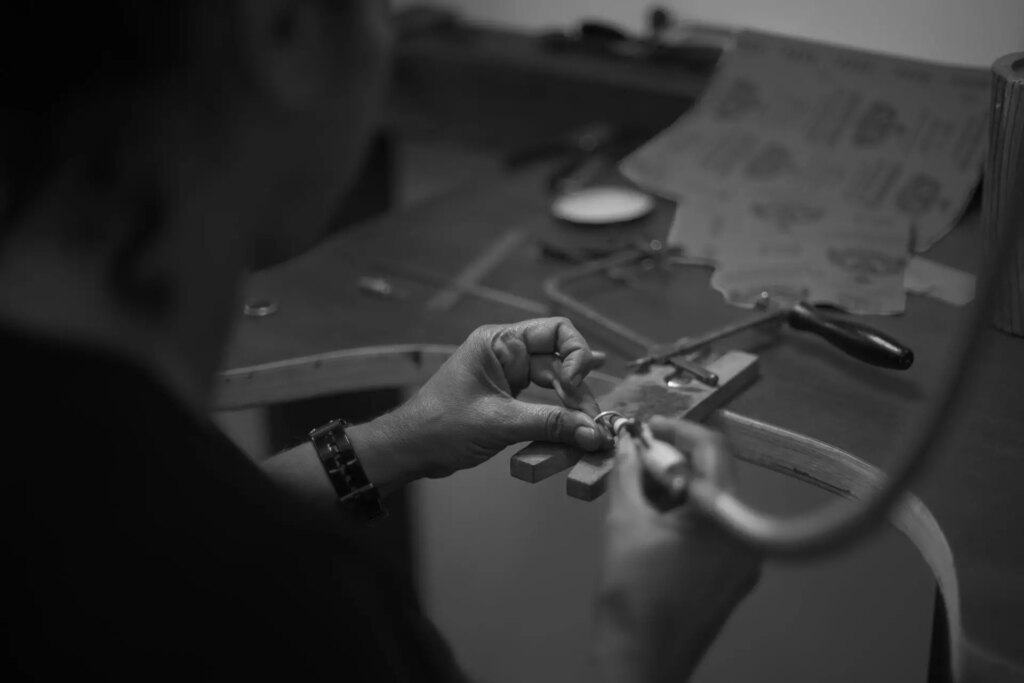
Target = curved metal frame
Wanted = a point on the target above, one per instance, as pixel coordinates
(832, 526)
(882, 496)
(764, 445)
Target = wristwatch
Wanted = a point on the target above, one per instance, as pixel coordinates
(357, 495)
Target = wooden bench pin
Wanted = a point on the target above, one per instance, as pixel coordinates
(641, 396)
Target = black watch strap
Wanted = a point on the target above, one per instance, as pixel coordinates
(357, 495)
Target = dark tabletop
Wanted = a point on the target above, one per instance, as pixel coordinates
(974, 487)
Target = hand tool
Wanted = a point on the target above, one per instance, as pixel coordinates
(410, 272)
(856, 339)
(577, 255)
(695, 369)
(477, 269)
(665, 469)
(639, 396)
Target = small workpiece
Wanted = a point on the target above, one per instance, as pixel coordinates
(661, 390)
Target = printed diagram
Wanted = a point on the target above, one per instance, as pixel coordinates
(864, 263)
(873, 182)
(877, 125)
(772, 161)
(919, 195)
(738, 100)
(787, 215)
(783, 293)
(804, 168)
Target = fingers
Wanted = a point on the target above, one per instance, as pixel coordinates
(647, 479)
(544, 371)
(624, 483)
(707, 450)
(535, 422)
(709, 453)
(578, 397)
(555, 336)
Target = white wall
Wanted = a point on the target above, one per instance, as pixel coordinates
(964, 31)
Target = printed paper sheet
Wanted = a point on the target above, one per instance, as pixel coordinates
(799, 139)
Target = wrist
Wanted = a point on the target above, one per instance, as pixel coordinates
(379, 446)
(646, 646)
(619, 653)
(664, 597)
(668, 588)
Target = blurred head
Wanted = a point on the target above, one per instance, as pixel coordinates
(235, 125)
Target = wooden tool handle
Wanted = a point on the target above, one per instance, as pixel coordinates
(856, 339)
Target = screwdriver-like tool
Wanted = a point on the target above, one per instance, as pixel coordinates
(856, 339)
(666, 471)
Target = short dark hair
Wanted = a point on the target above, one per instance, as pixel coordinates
(61, 60)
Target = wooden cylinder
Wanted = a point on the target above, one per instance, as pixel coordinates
(1004, 185)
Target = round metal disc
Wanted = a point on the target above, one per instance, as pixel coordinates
(602, 205)
(259, 308)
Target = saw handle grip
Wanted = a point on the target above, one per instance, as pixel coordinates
(856, 339)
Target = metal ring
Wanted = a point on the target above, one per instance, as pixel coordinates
(613, 421)
(606, 415)
(259, 308)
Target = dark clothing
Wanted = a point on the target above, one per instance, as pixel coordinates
(141, 544)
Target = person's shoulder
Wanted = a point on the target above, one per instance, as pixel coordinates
(53, 381)
(152, 521)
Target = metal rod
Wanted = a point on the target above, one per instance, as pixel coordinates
(407, 272)
(553, 289)
(659, 353)
(696, 369)
(476, 270)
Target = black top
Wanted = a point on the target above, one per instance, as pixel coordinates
(141, 544)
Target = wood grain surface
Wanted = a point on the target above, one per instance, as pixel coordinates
(637, 395)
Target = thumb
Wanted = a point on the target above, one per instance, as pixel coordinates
(534, 422)
(624, 484)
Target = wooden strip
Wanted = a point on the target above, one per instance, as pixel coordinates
(644, 395)
(540, 460)
(588, 478)
(791, 454)
(329, 373)
(407, 272)
(589, 319)
(843, 474)
(478, 269)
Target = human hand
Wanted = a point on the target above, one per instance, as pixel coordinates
(468, 410)
(670, 579)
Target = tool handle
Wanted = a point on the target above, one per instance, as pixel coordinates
(664, 476)
(856, 339)
(664, 469)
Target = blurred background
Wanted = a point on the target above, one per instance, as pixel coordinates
(960, 31)
(505, 568)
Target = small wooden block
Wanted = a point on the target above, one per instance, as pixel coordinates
(587, 480)
(642, 396)
(539, 460)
